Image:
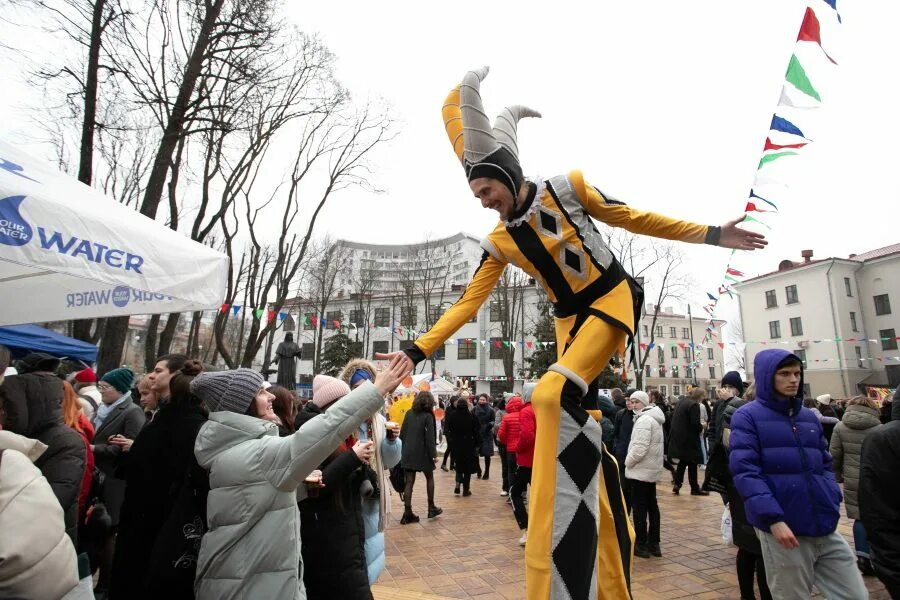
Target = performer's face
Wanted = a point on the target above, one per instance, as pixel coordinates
(493, 195)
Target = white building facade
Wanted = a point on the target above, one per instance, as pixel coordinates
(835, 313)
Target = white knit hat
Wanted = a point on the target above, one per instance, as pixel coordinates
(824, 399)
(641, 397)
(228, 390)
(327, 390)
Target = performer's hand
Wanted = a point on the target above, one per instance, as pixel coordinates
(392, 355)
(740, 239)
(387, 381)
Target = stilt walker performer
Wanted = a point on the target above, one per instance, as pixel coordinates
(579, 536)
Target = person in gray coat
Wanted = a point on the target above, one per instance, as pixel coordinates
(253, 547)
(860, 419)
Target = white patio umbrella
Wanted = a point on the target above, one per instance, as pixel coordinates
(67, 251)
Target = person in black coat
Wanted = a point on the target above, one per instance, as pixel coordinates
(419, 453)
(466, 440)
(485, 416)
(879, 498)
(623, 426)
(684, 441)
(159, 465)
(332, 528)
(34, 409)
(448, 409)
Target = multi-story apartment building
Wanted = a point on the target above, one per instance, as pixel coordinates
(834, 313)
(678, 359)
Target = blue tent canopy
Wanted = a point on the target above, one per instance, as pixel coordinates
(22, 339)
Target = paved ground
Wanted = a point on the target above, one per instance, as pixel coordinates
(472, 550)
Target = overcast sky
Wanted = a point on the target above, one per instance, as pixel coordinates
(664, 105)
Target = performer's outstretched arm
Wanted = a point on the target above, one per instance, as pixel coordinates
(479, 288)
(618, 214)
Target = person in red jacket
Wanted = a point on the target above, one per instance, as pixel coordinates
(508, 434)
(524, 461)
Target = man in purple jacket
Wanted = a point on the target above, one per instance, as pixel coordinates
(782, 469)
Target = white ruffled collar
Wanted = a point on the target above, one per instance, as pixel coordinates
(535, 204)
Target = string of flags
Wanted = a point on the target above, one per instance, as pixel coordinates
(784, 139)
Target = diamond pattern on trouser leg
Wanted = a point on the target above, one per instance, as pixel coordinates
(575, 525)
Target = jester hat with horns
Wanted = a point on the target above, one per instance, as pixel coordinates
(484, 151)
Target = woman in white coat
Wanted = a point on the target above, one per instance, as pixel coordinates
(643, 468)
(252, 548)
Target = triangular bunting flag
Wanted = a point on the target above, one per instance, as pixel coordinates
(711, 297)
(772, 146)
(785, 126)
(282, 315)
(271, 315)
(753, 194)
(224, 308)
(833, 5)
(796, 75)
(258, 313)
(767, 158)
(749, 218)
(753, 208)
(529, 344)
(794, 98)
(809, 31)
(235, 308)
(734, 272)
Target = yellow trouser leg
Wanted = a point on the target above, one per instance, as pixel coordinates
(589, 350)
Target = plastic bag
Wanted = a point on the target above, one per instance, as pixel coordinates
(726, 525)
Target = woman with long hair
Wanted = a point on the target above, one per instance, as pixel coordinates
(160, 473)
(419, 454)
(284, 405)
(73, 417)
(465, 430)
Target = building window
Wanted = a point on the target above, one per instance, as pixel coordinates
(710, 354)
(687, 353)
(659, 332)
(847, 286)
(465, 350)
(853, 322)
(497, 314)
(496, 348)
(358, 317)
(674, 351)
(289, 324)
(882, 305)
(664, 391)
(859, 360)
(382, 317)
(434, 313)
(685, 333)
(379, 348)
(308, 352)
(801, 354)
(408, 316)
(791, 293)
(796, 326)
(332, 318)
(771, 300)
(499, 387)
(646, 331)
(661, 355)
(888, 339)
(440, 353)
(356, 349)
(674, 370)
(712, 372)
(774, 329)
(672, 332)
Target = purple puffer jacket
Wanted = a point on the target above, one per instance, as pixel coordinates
(779, 459)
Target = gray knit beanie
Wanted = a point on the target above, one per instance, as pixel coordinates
(227, 390)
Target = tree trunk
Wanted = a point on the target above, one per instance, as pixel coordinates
(167, 335)
(81, 328)
(110, 355)
(150, 343)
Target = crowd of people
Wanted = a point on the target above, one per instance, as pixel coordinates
(201, 484)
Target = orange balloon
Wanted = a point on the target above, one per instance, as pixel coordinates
(408, 381)
(439, 413)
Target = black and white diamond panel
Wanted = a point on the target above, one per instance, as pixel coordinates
(573, 260)
(575, 518)
(549, 223)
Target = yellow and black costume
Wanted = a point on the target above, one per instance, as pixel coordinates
(579, 536)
